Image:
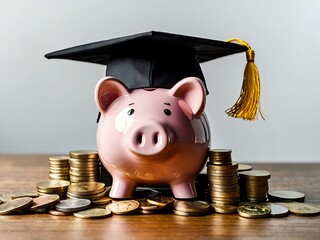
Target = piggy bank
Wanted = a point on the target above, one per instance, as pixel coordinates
(152, 136)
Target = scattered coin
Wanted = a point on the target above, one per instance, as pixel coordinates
(44, 201)
(278, 210)
(73, 205)
(301, 209)
(94, 213)
(123, 207)
(15, 195)
(147, 206)
(15, 205)
(58, 213)
(194, 206)
(160, 200)
(286, 196)
(253, 211)
(4, 197)
(181, 213)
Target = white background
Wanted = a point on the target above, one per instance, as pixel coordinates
(47, 106)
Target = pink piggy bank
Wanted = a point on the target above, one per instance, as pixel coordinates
(152, 136)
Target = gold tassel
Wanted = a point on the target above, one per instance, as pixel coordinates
(247, 106)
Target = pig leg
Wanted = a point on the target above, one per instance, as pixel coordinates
(122, 188)
(184, 190)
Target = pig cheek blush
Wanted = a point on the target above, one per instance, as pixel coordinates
(123, 119)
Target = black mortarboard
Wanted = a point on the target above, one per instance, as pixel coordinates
(151, 59)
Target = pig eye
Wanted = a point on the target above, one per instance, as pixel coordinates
(130, 112)
(167, 112)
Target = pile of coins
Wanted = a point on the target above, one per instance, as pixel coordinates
(93, 191)
(254, 185)
(84, 166)
(59, 167)
(49, 187)
(223, 181)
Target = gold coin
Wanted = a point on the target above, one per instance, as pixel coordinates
(83, 154)
(244, 167)
(101, 201)
(186, 214)
(50, 191)
(90, 197)
(44, 201)
(15, 205)
(15, 195)
(147, 206)
(4, 197)
(160, 200)
(226, 201)
(93, 213)
(253, 210)
(86, 188)
(58, 159)
(191, 206)
(58, 213)
(224, 208)
(82, 162)
(84, 169)
(232, 167)
(253, 174)
(53, 185)
(301, 209)
(123, 207)
(220, 151)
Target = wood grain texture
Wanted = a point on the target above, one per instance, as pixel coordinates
(21, 173)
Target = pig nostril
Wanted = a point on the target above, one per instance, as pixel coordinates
(155, 138)
(140, 138)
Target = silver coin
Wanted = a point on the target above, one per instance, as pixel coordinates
(287, 195)
(73, 205)
(278, 210)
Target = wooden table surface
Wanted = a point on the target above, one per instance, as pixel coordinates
(21, 173)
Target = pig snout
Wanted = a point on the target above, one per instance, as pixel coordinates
(149, 138)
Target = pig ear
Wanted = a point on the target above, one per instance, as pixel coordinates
(107, 90)
(191, 90)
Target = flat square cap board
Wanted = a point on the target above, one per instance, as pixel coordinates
(151, 59)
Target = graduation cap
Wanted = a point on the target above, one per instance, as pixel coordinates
(160, 60)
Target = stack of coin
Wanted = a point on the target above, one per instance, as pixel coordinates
(254, 185)
(190, 208)
(84, 166)
(224, 188)
(93, 191)
(49, 187)
(220, 157)
(59, 168)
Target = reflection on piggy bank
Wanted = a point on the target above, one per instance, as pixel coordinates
(152, 136)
